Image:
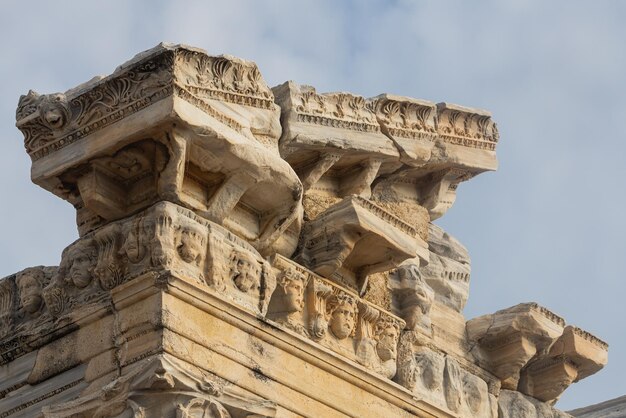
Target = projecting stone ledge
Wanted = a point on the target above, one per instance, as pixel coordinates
(249, 252)
(398, 150)
(531, 350)
(171, 124)
(356, 238)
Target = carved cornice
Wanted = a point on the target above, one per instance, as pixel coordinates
(405, 117)
(51, 122)
(591, 338)
(337, 110)
(472, 128)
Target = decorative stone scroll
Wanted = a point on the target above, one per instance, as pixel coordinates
(468, 127)
(410, 123)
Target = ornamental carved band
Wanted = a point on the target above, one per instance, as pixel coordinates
(247, 251)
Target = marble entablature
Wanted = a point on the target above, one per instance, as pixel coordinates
(247, 251)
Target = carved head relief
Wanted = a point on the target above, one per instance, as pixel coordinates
(430, 368)
(472, 394)
(190, 246)
(53, 110)
(133, 246)
(342, 310)
(30, 285)
(386, 334)
(292, 286)
(245, 271)
(79, 264)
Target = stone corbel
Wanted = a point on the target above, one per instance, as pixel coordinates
(311, 174)
(510, 338)
(354, 239)
(439, 192)
(228, 195)
(359, 180)
(574, 355)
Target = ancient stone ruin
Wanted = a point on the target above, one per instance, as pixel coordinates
(247, 251)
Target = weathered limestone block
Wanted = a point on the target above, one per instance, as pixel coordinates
(194, 186)
(512, 404)
(412, 297)
(355, 238)
(165, 386)
(171, 124)
(510, 338)
(167, 344)
(574, 355)
(443, 380)
(448, 269)
(430, 297)
(165, 237)
(613, 408)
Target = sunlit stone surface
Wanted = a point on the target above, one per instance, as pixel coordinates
(247, 251)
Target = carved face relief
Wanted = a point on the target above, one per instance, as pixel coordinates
(293, 288)
(133, 247)
(190, 246)
(342, 317)
(430, 368)
(244, 271)
(472, 393)
(53, 111)
(387, 342)
(29, 284)
(81, 263)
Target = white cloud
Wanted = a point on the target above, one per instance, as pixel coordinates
(547, 227)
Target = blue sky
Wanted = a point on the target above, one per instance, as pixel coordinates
(548, 226)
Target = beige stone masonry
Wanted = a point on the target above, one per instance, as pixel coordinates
(247, 252)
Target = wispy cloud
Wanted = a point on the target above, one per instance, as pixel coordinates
(547, 227)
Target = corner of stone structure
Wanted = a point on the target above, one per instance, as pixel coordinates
(247, 251)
